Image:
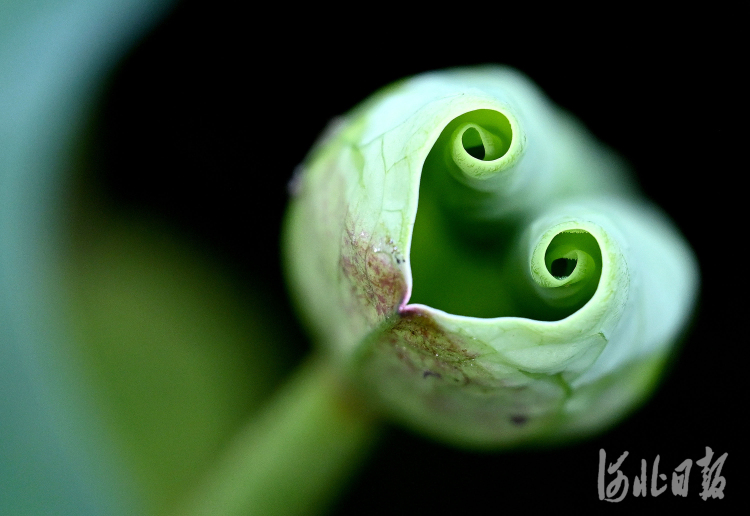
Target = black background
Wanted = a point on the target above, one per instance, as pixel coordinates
(218, 94)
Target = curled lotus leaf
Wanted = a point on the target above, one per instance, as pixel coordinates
(482, 266)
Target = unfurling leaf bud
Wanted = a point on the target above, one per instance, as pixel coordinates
(481, 265)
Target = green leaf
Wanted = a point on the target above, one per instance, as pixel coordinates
(174, 356)
(482, 264)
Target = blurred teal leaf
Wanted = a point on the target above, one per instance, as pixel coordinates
(128, 356)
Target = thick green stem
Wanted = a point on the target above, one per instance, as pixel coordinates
(294, 456)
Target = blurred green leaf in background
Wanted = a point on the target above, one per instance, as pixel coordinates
(129, 354)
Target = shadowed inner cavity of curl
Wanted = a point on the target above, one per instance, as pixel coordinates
(472, 143)
(563, 267)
